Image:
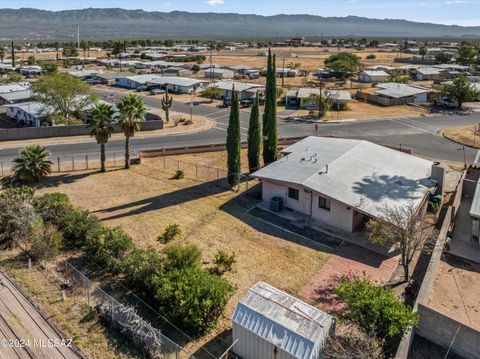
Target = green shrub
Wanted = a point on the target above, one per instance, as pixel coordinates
(77, 225)
(171, 232)
(53, 206)
(192, 298)
(371, 57)
(223, 262)
(179, 174)
(48, 242)
(182, 257)
(141, 267)
(109, 247)
(375, 309)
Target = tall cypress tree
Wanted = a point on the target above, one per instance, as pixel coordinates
(254, 138)
(270, 134)
(13, 55)
(234, 145)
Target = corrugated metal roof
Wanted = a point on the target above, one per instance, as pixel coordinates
(360, 174)
(288, 323)
(176, 81)
(15, 87)
(396, 90)
(17, 95)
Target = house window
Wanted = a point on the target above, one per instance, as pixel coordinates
(293, 193)
(324, 203)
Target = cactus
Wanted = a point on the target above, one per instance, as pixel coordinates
(166, 104)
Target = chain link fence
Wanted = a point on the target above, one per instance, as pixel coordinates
(80, 162)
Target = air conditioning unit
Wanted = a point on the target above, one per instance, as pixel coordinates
(276, 204)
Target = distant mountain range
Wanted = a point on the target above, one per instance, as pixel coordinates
(29, 24)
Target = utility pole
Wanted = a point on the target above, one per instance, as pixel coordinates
(283, 73)
(320, 98)
(211, 62)
(78, 37)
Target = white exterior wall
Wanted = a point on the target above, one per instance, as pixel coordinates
(338, 216)
(252, 346)
(127, 83)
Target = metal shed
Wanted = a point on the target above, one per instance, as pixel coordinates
(271, 324)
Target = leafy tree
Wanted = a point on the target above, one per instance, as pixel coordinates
(167, 102)
(270, 131)
(77, 226)
(254, 138)
(401, 227)
(234, 145)
(466, 54)
(353, 344)
(2, 53)
(141, 267)
(101, 126)
(32, 165)
(377, 310)
(31, 60)
(47, 241)
(443, 57)
(400, 79)
(324, 103)
(69, 50)
(14, 76)
(192, 298)
(461, 90)
(62, 93)
(211, 92)
(50, 68)
(196, 68)
(13, 55)
(17, 215)
(52, 206)
(343, 62)
(132, 110)
(423, 51)
(182, 257)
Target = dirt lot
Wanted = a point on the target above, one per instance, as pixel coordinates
(145, 200)
(363, 110)
(456, 292)
(467, 135)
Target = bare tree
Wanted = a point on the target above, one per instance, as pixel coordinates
(353, 344)
(402, 227)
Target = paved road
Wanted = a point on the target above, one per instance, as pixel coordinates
(20, 322)
(420, 134)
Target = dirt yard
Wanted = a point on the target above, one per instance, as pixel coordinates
(363, 110)
(456, 292)
(466, 135)
(145, 200)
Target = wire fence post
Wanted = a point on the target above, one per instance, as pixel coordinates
(196, 171)
(73, 163)
(114, 160)
(163, 164)
(58, 164)
(1, 166)
(86, 162)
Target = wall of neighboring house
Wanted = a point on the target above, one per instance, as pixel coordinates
(127, 83)
(278, 189)
(339, 216)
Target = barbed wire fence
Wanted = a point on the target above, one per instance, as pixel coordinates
(132, 316)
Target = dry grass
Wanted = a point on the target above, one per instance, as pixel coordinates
(72, 315)
(363, 110)
(145, 200)
(466, 135)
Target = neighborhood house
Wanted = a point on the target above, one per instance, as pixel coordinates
(341, 183)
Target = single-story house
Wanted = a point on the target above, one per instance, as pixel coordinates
(301, 98)
(83, 73)
(31, 71)
(429, 74)
(341, 183)
(182, 85)
(177, 71)
(243, 89)
(239, 69)
(29, 113)
(373, 76)
(109, 78)
(14, 87)
(135, 81)
(393, 94)
(8, 98)
(269, 323)
(213, 73)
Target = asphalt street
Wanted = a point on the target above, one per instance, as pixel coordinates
(422, 134)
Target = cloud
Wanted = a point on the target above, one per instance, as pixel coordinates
(215, 2)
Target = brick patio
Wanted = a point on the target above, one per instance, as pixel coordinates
(350, 261)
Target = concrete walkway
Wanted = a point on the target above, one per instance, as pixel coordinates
(350, 261)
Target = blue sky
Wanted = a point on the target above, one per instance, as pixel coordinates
(460, 12)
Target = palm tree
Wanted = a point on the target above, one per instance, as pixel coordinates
(100, 124)
(132, 109)
(32, 165)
